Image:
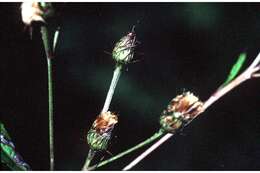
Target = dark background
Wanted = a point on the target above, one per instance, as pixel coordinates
(184, 46)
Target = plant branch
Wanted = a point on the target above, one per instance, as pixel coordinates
(148, 151)
(249, 73)
(116, 76)
(256, 75)
(110, 93)
(48, 52)
(140, 145)
(91, 154)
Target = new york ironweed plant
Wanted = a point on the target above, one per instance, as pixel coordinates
(180, 111)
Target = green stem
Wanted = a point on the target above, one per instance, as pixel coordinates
(112, 87)
(109, 96)
(91, 154)
(140, 145)
(48, 52)
(51, 130)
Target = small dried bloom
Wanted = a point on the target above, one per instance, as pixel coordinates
(33, 12)
(170, 123)
(123, 51)
(181, 109)
(100, 132)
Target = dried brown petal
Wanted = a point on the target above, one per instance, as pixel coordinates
(181, 109)
(170, 123)
(104, 122)
(187, 104)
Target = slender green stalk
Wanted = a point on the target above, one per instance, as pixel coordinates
(51, 129)
(48, 52)
(110, 93)
(140, 145)
(90, 156)
(116, 76)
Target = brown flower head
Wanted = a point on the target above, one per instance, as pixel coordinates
(105, 122)
(100, 132)
(187, 104)
(181, 109)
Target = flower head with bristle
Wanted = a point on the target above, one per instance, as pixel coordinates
(180, 110)
(100, 132)
(123, 51)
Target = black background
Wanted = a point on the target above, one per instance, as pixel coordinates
(183, 46)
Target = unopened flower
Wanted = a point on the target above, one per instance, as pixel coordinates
(123, 51)
(180, 110)
(34, 12)
(100, 132)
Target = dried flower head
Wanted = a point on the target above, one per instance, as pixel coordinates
(100, 132)
(123, 51)
(170, 123)
(180, 110)
(34, 12)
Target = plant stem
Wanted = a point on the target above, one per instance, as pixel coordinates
(116, 76)
(148, 151)
(247, 74)
(91, 154)
(140, 145)
(48, 53)
(51, 129)
(110, 93)
(256, 75)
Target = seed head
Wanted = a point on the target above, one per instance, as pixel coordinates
(100, 132)
(180, 110)
(123, 51)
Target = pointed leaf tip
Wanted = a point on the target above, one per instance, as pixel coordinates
(236, 68)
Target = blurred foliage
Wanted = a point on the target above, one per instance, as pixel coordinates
(9, 156)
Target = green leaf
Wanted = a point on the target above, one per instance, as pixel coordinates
(9, 156)
(4, 131)
(236, 68)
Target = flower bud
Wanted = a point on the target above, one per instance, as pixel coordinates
(180, 110)
(100, 132)
(123, 51)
